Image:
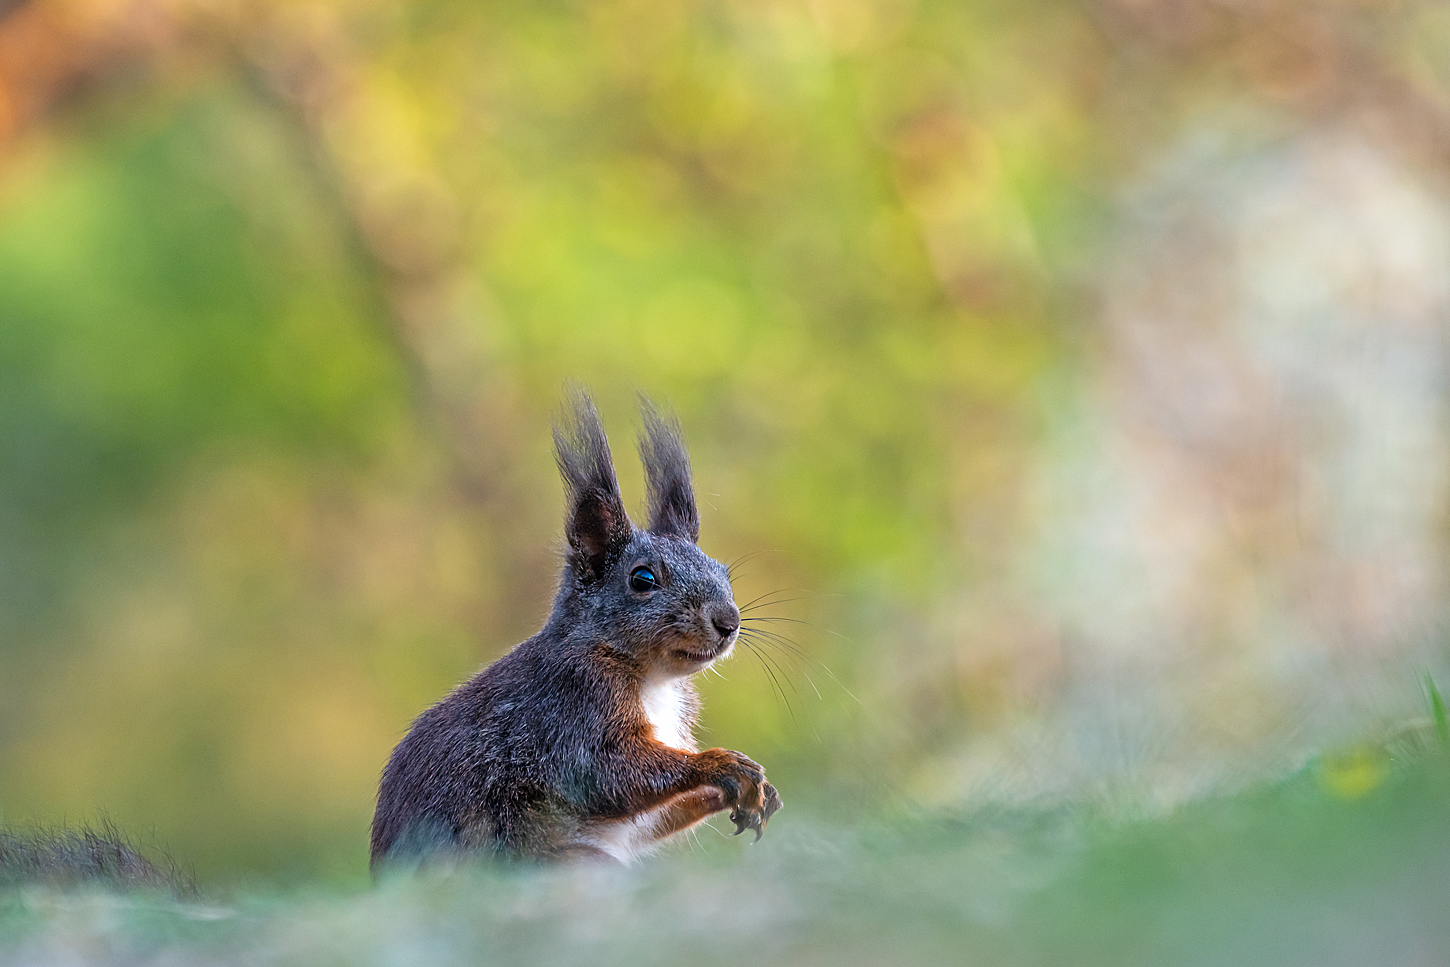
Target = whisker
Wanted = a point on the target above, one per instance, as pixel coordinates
(750, 622)
(790, 650)
(771, 604)
(770, 658)
(776, 681)
(842, 685)
(743, 559)
(803, 592)
(759, 639)
(789, 681)
(796, 621)
(790, 646)
(760, 600)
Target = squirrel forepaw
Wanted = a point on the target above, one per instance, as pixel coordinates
(746, 818)
(742, 785)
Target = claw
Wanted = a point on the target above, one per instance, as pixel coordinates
(760, 802)
(750, 820)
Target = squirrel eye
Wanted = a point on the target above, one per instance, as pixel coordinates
(642, 580)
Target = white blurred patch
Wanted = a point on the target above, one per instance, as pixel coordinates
(1241, 554)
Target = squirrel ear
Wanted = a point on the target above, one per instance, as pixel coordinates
(597, 526)
(667, 476)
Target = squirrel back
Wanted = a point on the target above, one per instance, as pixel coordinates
(578, 742)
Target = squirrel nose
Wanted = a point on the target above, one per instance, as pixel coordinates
(725, 617)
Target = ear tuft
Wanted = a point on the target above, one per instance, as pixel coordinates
(672, 508)
(596, 526)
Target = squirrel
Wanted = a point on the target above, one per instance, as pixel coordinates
(577, 743)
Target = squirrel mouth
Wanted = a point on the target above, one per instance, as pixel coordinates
(700, 657)
(704, 652)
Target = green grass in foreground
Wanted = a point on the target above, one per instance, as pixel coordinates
(1342, 863)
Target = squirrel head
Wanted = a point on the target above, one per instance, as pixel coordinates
(649, 593)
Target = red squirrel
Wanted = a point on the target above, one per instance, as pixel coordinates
(578, 742)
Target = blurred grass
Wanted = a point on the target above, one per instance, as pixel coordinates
(1291, 872)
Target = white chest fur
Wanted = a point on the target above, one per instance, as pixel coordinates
(667, 708)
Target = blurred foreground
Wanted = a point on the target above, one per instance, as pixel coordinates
(1346, 863)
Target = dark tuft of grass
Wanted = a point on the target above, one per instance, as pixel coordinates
(88, 857)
